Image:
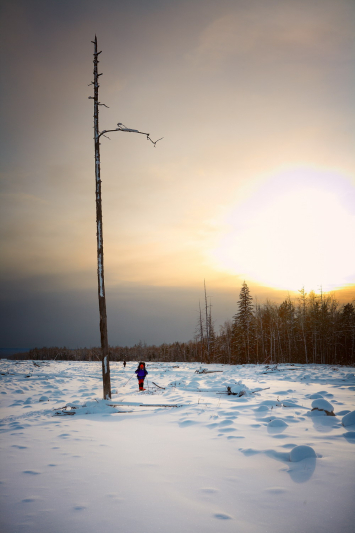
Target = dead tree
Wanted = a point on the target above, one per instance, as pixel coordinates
(207, 324)
(99, 233)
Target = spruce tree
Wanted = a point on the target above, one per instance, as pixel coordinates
(244, 327)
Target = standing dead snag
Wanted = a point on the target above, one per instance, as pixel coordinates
(99, 232)
(99, 238)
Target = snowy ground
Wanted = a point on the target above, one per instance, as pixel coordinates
(216, 463)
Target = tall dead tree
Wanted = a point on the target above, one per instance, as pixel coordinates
(99, 233)
(207, 323)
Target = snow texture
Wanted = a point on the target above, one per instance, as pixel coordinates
(184, 458)
(322, 405)
(349, 419)
(299, 453)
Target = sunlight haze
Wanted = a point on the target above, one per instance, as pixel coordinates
(254, 178)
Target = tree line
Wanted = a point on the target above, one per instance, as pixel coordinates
(313, 328)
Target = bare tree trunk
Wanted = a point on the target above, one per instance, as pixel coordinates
(207, 325)
(100, 249)
(200, 325)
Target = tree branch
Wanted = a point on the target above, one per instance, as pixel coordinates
(122, 127)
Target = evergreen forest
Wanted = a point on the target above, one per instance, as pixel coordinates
(313, 328)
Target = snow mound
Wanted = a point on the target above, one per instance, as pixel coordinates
(349, 419)
(277, 423)
(43, 399)
(96, 407)
(91, 407)
(301, 452)
(322, 405)
(262, 408)
(238, 388)
(315, 396)
(201, 370)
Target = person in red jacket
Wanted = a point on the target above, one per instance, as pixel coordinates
(141, 373)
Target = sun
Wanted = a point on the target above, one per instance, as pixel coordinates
(296, 231)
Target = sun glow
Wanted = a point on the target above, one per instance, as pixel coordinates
(296, 231)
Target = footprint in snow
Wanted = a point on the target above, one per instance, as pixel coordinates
(276, 490)
(261, 408)
(222, 516)
(249, 451)
(225, 423)
(350, 436)
(186, 423)
(209, 490)
(32, 472)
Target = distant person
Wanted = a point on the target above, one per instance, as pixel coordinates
(141, 373)
(124, 364)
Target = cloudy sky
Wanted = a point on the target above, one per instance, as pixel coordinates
(254, 179)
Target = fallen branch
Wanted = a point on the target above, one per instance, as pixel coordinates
(328, 413)
(123, 412)
(158, 386)
(146, 405)
(207, 371)
(65, 407)
(241, 393)
(230, 393)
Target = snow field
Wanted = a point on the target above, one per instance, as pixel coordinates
(259, 462)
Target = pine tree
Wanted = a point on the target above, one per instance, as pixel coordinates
(244, 327)
(347, 324)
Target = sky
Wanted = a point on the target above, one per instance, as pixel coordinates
(254, 179)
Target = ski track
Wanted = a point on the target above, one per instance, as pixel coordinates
(260, 462)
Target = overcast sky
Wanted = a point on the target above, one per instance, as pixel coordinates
(254, 179)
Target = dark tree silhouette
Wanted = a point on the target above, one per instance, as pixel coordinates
(244, 326)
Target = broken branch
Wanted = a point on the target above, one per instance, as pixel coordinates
(158, 386)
